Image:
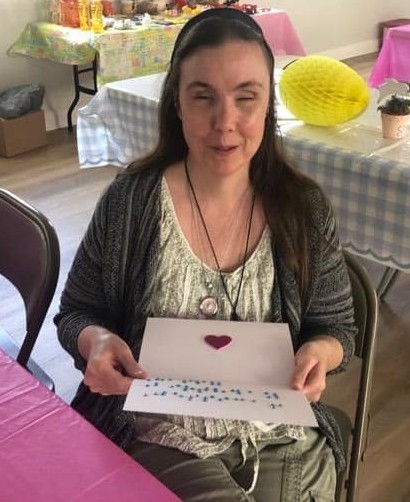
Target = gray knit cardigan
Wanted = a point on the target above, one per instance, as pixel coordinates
(110, 283)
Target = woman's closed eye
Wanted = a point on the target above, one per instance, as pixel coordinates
(246, 98)
(200, 97)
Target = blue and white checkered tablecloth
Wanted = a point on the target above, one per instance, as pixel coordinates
(370, 196)
(366, 177)
(120, 123)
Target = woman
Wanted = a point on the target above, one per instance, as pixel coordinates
(213, 224)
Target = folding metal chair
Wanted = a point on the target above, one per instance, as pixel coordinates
(354, 435)
(30, 260)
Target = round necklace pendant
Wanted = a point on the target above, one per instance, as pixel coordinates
(208, 306)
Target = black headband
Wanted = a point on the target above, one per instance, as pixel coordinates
(227, 13)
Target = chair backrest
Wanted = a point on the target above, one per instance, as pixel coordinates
(366, 316)
(30, 260)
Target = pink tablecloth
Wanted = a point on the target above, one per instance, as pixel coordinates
(394, 58)
(280, 33)
(49, 453)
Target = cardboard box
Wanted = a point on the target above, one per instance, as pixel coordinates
(22, 134)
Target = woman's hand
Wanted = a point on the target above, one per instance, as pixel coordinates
(313, 361)
(111, 366)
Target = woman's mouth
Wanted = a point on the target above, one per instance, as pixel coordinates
(224, 149)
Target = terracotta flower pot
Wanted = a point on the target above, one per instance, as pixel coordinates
(394, 126)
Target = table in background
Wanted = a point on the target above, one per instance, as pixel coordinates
(121, 54)
(113, 55)
(394, 57)
(366, 177)
(130, 53)
(136, 52)
(49, 453)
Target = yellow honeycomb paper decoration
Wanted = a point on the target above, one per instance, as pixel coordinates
(323, 91)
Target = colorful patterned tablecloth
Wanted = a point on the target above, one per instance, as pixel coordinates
(136, 52)
(55, 43)
(366, 177)
(131, 53)
(121, 53)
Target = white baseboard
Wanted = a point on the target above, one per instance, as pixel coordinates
(353, 50)
(339, 53)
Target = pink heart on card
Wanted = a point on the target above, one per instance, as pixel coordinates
(218, 341)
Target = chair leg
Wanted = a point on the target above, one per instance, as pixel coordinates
(8, 345)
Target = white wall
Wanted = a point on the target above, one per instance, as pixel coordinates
(337, 28)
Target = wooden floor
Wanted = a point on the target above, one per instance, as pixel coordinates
(49, 178)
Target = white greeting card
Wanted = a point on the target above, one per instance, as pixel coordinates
(221, 369)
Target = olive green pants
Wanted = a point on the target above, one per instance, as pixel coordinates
(290, 471)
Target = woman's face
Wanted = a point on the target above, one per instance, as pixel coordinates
(223, 101)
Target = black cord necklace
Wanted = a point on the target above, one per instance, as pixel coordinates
(234, 315)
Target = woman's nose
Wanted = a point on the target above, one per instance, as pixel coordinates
(225, 116)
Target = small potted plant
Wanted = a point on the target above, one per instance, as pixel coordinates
(395, 113)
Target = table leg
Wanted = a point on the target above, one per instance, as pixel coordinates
(78, 88)
(386, 282)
